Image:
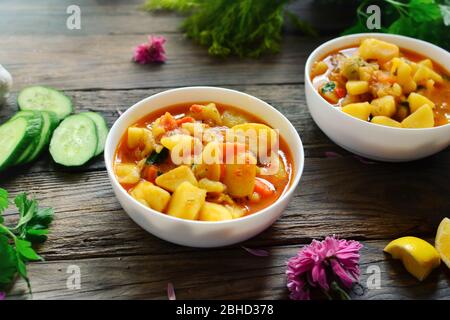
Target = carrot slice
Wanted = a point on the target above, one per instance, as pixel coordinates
(185, 120)
(264, 188)
(196, 108)
(150, 173)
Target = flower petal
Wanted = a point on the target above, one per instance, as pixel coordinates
(256, 252)
(171, 292)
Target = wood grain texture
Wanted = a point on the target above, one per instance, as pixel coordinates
(118, 260)
(234, 274)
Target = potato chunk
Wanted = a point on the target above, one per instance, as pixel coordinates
(385, 121)
(236, 211)
(355, 87)
(186, 202)
(150, 195)
(214, 212)
(358, 110)
(127, 173)
(173, 178)
(384, 106)
(260, 138)
(424, 73)
(141, 138)
(208, 112)
(422, 118)
(211, 186)
(240, 177)
(416, 100)
(378, 50)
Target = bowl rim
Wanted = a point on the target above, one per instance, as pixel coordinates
(356, 37)
(286, 195)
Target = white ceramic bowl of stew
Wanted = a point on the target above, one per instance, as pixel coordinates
(204, 233)
(367, 139)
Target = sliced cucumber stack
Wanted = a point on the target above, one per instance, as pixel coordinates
(15, 138)
(75, 141)
(38, 98)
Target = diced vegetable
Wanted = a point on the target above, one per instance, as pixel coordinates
(210, 171)
(386, 121)
(384, 106)
(180, 141)
(424, 73)
(168, 122)
(127, 173)
(358, 110)
(150, 195)
(264, 188)
(211, 186)
(231, 118)
(319, 67)
(416, 100)
(374, 49)
(193, 127)
(350, 68)
(208, 112)
(356, 87)
(185, 120)
(236, 211)
(421, 118)
(175, 177)
(240, 178)
(258, 136)
(186, 202)
(214, 212)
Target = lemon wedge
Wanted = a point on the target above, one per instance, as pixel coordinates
(442, 241)
(418, 256)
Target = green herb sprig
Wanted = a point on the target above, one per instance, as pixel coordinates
(422, 19)
(246, 28)
(16, 241)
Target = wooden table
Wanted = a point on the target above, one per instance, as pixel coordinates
(373, 203)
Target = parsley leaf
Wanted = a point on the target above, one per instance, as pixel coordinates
(16, 242)
(328, 87)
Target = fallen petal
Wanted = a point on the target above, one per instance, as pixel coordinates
(332, 154)
(256, 252)
(171, 292)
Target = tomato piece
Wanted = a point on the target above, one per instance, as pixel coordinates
(340, 92)
(196, 108)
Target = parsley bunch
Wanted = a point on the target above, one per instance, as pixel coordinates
(422, 19)
(16, 241)
(246, 28)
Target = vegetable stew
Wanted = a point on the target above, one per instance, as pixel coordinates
(203, 161)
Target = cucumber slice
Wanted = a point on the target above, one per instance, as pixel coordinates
(50, 122)
(74, 142)
(36, 121)
(45, 99)
(15, 136)
(102, 129)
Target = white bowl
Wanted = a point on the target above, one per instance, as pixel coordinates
(202, 233)
(367, 139)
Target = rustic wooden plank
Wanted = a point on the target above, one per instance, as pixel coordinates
(48, 17)
(289, 99)
(104, 61)
(335, 196)
(234, 275)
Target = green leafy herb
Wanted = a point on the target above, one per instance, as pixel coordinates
(423, 19)
(328, 87)
(156, 158)
(246, 28)
(16, 241)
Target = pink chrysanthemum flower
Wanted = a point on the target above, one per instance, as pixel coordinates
(151, 51)
(2, 295)
(323, 264)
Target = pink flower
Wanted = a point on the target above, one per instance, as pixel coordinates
(2, 295)
(320, 264)
(151, 51)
